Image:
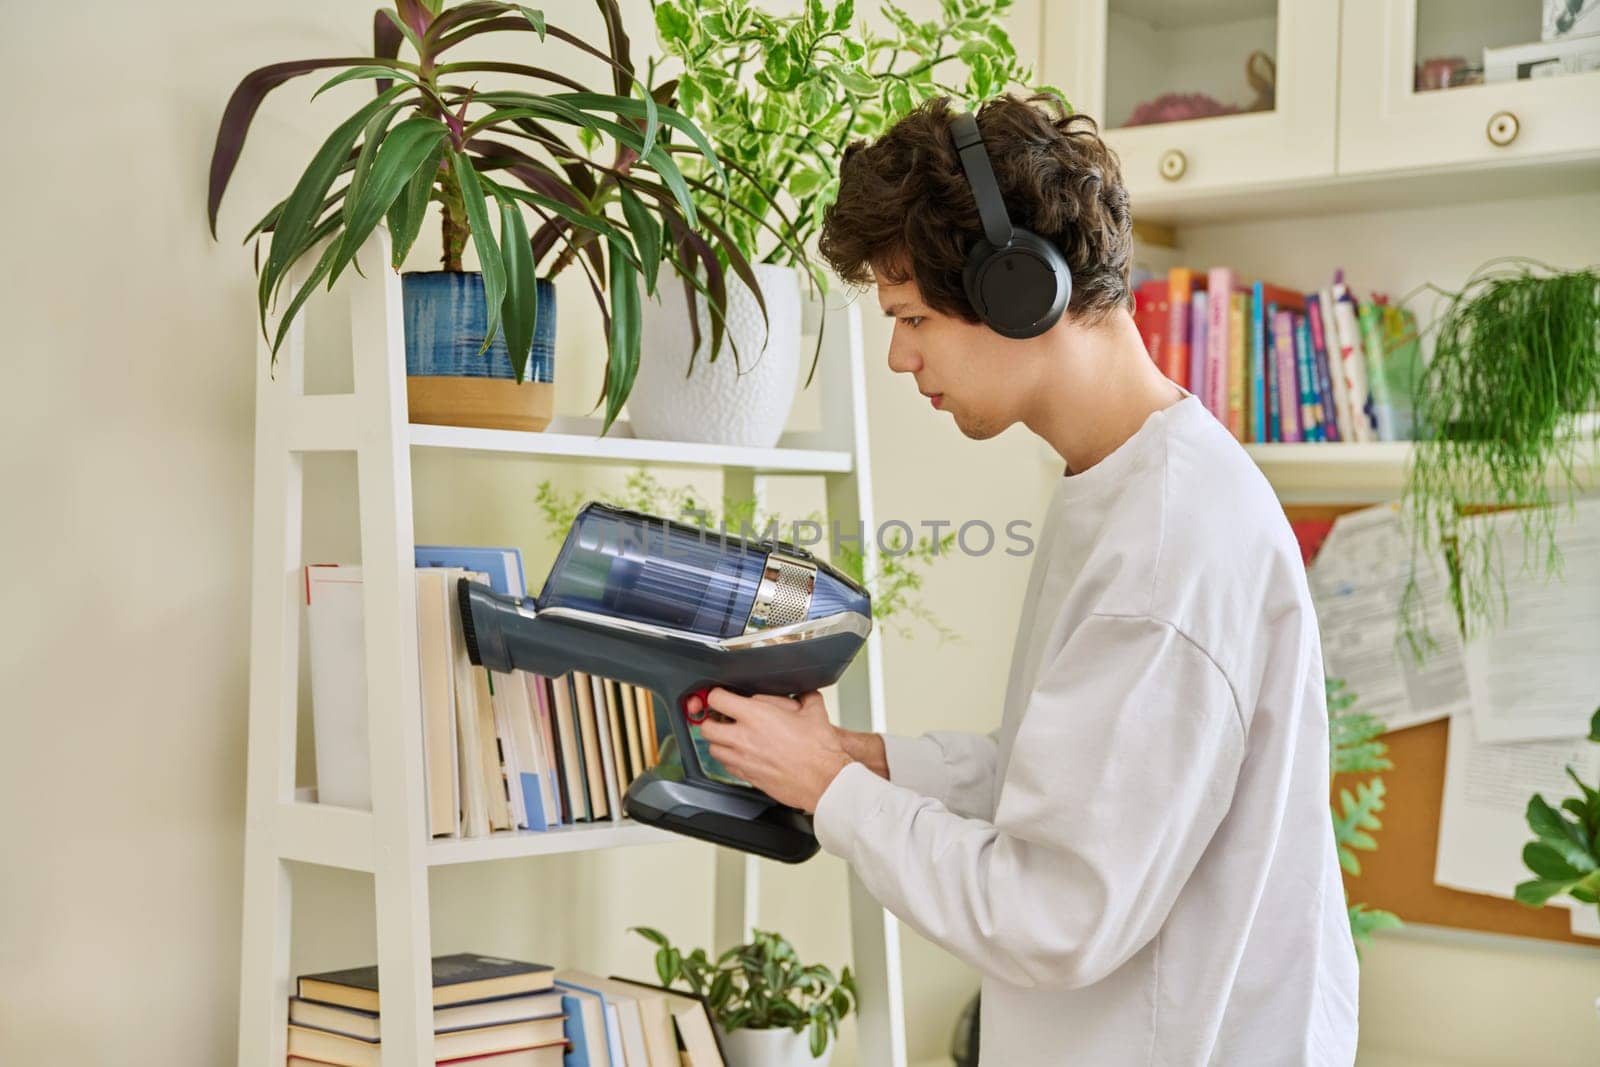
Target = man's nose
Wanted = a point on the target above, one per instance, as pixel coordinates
(903, 359)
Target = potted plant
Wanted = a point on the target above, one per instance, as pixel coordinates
(1565, 855)
(781, 98)
(1504, 404)
(596, 170)
(769, 1009)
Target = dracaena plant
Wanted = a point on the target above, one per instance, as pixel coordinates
(597, 172)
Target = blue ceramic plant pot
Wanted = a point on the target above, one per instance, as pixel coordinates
(448, 382)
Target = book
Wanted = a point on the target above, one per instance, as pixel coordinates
(511, 696)
(692, 1016)
(1288, 383)
(1336, 380)
(1238, 363)
(493, 762)
(660, 1046)
(457, 979)
(608, 756)
(353, 1022)
(1400, 356)
(1264, 298)
(630, 728)
(471, 775)
(507, 750)
(619, 736)
(589, 734)
(612, 1047)
(572, 774)
(552, 1055)
(586, 1028)
(1219, 310)
(501, 567)
(1353, 359)
(645, 702)
(325, 1047)
(1181, 284)
(436, 679)
(538, 687)
(1333, 425)
(1311, 416)
(1150, 315)
(630, 1020)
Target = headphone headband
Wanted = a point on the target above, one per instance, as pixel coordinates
(997, 227)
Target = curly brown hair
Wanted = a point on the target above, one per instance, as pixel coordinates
(905, 210)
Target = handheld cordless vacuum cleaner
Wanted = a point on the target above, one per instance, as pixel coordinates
(680, 610)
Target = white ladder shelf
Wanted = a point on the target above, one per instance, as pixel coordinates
(391, 842)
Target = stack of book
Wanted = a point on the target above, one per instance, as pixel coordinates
(486, 1010)
(1276, 364)
(505, 1013)
(513, 751)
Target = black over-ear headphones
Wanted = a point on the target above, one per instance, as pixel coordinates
(1017, 281)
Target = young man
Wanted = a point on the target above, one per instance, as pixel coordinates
(1139, 860)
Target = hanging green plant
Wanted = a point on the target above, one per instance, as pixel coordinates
(1502, 406)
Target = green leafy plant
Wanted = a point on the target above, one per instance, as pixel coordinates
(894, 588)
(1565, 854)
(596, 170)
(782, 96)
(760, 985)
(1354, 748)
(1516, 355)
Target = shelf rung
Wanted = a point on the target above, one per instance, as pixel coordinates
(324, 423)
(326, 835)
(516, 844)
(620, 446)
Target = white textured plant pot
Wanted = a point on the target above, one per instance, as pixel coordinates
(719, 403)
(771, 1048)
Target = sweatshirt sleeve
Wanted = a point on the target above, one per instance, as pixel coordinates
(1123, 766)
(952, 767)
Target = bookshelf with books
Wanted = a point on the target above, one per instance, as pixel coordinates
(402, 793)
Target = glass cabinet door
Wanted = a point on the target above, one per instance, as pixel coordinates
(1196, 94)
(1429, 82)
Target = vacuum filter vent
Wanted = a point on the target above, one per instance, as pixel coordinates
(784, 595)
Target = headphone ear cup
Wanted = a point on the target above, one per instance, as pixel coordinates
(1021, 290)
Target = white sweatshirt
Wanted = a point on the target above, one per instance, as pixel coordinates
(1140, 860)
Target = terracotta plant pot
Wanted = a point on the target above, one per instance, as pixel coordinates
(447, 382)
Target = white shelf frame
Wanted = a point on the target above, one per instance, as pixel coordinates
(391, 841)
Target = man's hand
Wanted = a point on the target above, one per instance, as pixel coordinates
(784, 747)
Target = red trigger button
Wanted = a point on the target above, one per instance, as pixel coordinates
(705, 706)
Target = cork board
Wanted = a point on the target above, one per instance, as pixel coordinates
(1398, 876)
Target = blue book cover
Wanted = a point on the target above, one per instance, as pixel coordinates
(533, 800)
(613, 1039)
(1258, 364)
(577, 1038)
(502, 565)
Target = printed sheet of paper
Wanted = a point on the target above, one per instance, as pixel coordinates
(1483, 817)
(1357, 579)
(1535, 675)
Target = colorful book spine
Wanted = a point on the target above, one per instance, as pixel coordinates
(1369, 316)
(1150, 317)
(1311, 417)
(1269, 359)
(1219, 304)
(1238, 364)
(1198, 321)
(1288, 388)
(1402, 368)
(1353, 359)
(1260, 377)
(1336, 377)
(1331, 428)
(1181, 284)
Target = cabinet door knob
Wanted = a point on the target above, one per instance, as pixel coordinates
(1503, 128)
(1173, 164)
